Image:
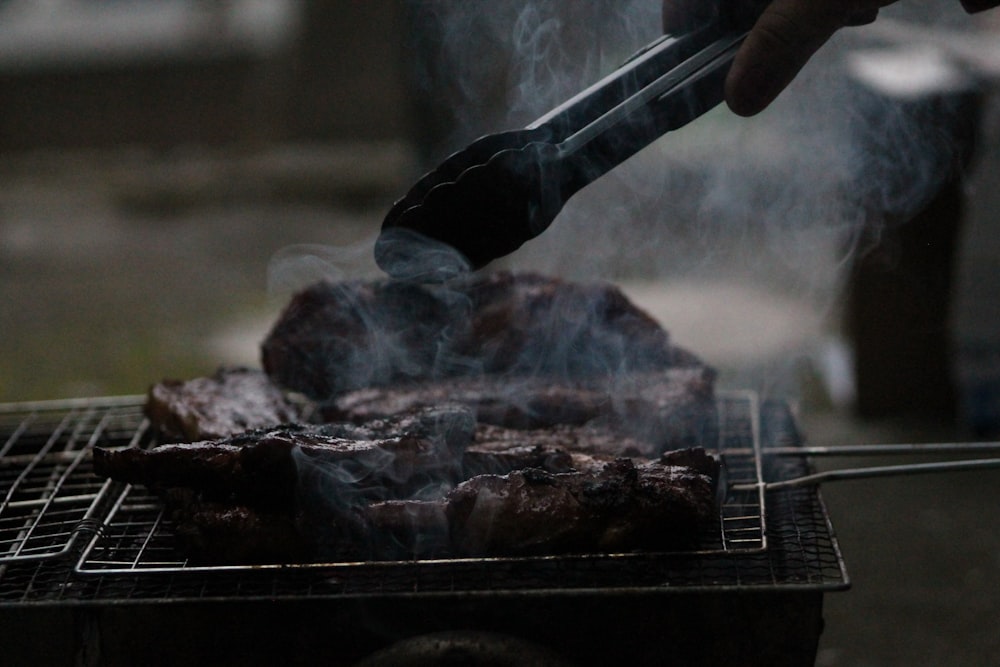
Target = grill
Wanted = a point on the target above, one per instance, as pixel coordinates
(49, 493)
(137, 537)
(72, 541)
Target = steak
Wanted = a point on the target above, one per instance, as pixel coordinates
(671, 409)
(213, 533)
(405, 529)
(334, 338)
(497, 414)
(614, 507)
(563, 448)
(622, 507)
(231, 401)
(278, 468)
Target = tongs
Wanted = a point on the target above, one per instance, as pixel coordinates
(504, 189)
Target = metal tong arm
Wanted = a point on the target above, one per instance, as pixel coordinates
(667, 85)
(879, 471)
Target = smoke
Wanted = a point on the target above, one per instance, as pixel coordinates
(294, 267)
(784, 200)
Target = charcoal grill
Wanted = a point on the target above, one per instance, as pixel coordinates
(107, 577)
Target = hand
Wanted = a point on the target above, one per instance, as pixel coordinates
(785, 37)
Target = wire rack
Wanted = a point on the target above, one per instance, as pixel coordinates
(137, 534)
(794, 549)
(49, 496)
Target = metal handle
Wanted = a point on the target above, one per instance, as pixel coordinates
(670, 84)
(878, 471)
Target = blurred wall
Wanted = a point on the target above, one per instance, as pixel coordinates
(337, 76)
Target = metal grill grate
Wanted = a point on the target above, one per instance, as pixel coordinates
(49, 496)
(794, 550)
(137, 536)
(803, 555)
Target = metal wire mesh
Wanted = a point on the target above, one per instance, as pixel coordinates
(803, 555)
(49, 496)
(794, 549)
(137, 534)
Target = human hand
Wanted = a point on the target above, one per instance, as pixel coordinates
(784, 38)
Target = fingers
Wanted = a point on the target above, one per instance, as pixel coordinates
(786, 35)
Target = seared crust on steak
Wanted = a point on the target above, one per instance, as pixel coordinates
(272, 468)
(619, 508)
(231, 401)
(338, 337)
(671, 409)
(612, 507)
(563, 448)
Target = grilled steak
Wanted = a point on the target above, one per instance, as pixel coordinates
(612, 507)
(337, 337)
(231, 401)
(622, 507)
(273, 468)
(672, 409)
(404, 529)
(212, 533)
(497, 450)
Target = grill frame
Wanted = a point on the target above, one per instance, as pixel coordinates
(135, 536)
(49, 497)
(798, 553)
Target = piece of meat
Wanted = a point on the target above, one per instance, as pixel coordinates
(405, 529)
(497, 450)
(450, 425)
(671, 409)
(695, 458)
(338, 337)
(231, 401)
(334, 337)
(523, 403)
(619, 508)
(611, 507)
(277, 468)
(210, 533)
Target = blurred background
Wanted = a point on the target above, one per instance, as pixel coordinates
(172, 170)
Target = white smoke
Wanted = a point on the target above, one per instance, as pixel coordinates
(780, 200)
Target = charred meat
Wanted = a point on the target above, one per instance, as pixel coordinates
(614, 507)
(231, 401)
(276, 468)
(671, 409)
(338, 337)
(622, 507)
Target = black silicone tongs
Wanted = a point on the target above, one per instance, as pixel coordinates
(502, 190)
